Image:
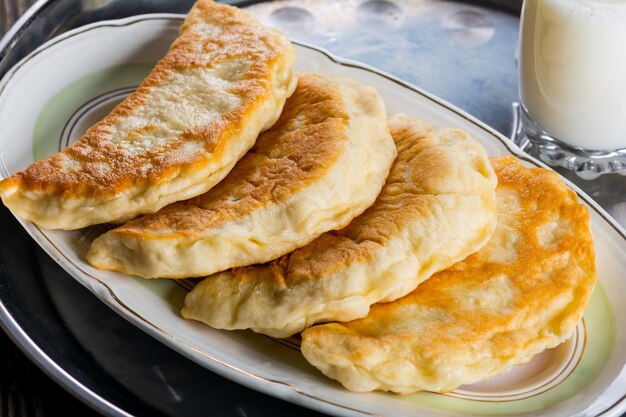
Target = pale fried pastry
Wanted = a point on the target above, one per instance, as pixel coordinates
(225, 78)
(437, 207)
(524, 292)
(322, 164)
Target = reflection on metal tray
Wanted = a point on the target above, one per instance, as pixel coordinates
(460, 52)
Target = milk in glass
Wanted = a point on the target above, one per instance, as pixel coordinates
(573, 70)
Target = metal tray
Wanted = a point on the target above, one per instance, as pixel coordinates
(463, 52)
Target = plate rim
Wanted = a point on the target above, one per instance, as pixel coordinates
(286, 391)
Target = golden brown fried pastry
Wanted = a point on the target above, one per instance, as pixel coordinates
(322, 164)
(524, 292)
(224, 80)
(437, 207)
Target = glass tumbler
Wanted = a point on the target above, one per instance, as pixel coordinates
(572, 73)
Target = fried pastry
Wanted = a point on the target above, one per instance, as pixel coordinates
(322, 164)
(524, 292)
(225, 79)
(436, 208)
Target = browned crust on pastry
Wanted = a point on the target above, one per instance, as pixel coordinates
(407, 195)
(570, 261)
(241, 36)
(436, 207)
(301, 147)
(486, 313)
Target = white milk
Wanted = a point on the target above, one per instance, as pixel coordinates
(573, 70)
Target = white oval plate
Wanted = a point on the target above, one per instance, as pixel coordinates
(51, 97)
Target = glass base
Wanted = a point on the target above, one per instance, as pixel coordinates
(585, 163)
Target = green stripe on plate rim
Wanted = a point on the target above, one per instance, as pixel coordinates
(60, 107)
